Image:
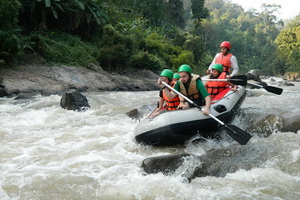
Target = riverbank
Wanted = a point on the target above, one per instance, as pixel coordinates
(47, 80)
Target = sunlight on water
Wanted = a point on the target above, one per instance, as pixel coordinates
(47, 152)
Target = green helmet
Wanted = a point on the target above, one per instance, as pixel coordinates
(218, 67)
(167, 73)
(176, 76)
(185, 68)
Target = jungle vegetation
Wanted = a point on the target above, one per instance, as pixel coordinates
(146, 34)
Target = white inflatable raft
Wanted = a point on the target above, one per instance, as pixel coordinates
(178, 126)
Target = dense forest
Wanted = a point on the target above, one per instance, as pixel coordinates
(146, 34)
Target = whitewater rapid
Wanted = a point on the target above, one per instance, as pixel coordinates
(47, 152)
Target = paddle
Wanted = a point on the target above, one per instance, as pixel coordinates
(233, 131)
(272, 89)
(236, 80)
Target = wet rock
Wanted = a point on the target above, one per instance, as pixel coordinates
(73, 100)
(216, 162)
(55, 80)
(24, 96)
(264, 126)
(254, 78)
(286, 83)
(166, 164)
(141, 112)
(291, 121)
(253, 75)
(3, 92)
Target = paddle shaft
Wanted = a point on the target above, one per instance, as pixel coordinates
(236, 80)
(222, 79)
(190, 101)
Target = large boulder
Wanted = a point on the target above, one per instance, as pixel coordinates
(254, 78)
(253, 75)
(73, 100)
(222, 161)
(3, 92)
(291, 121)
(264, 126)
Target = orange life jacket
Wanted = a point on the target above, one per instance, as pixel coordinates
(225, 61)
(215, 87)
(171, 104)
(192, 92)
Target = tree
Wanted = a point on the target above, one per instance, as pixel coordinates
(153, 10)
(198, 9)
(288, 42)
(175, 13)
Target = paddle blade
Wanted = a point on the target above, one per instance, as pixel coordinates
(274, 90)
(237, 134)
(238, 80)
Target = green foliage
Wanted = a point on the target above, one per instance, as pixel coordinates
(115, 49)
(9, 10)
(11, 46)
(175, 13)
(288, 42)
(198, 9)
(62, 48)
(153, 10)
(144, 60)
(184, 57)
(64, 15)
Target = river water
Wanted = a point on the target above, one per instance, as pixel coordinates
(47, 152)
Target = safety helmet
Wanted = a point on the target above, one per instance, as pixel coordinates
(218, 67)
(225, 44)
(176, 76)
(167, 73)
(185, 68)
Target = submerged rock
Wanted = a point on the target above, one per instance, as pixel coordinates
(265, 125)
(291, 121)
(3, 92)
(140, 112)
(73, 100)
(231, 159)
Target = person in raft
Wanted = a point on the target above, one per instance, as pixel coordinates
(164, 102)
(192, 87)
(215, 87)
(226, 59)
(176, 77)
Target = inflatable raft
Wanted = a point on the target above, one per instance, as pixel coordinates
(178, 126)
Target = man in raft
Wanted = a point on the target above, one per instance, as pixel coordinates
(165, 103)
(192, 87)
(215, 87)
(226, 59)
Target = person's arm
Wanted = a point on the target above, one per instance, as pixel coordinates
(207, 105)
(234, 65)
(201, 88)
(234, 87)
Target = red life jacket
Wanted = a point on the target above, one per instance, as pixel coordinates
(225, 61)
(215, 87)
(171, 104)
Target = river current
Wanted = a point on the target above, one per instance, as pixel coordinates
(47, 152)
